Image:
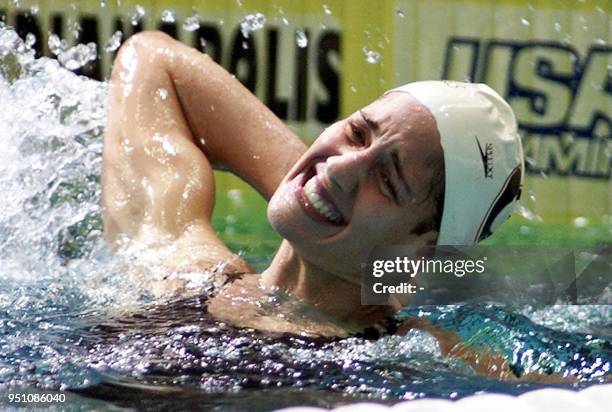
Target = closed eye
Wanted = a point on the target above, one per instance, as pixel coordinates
(387, 187)
(356, 134)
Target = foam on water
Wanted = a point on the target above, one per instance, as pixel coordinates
(54, 267)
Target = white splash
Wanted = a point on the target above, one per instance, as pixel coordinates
(300, 38)
(192, 23)
(252, 23)
(113, 42)
(371, 56)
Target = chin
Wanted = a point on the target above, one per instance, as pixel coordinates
(279, 211)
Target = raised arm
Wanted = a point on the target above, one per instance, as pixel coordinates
(234, 129)
(172, 113)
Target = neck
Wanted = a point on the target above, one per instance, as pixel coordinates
(334, 295)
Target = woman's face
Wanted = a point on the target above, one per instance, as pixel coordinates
(365, 182)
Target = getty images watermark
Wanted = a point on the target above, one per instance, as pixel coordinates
(536, 275)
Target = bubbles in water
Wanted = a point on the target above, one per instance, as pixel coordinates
(168, 16)
(400, 13)
(114, 42)
(137, 16)
(557, 27)
(525, 22)
(34, 9)
(327, 9)
(300, 38)
(285, 21)
(371, 56)
(252, 23)
(192, 23)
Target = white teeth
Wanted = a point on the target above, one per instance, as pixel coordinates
(321, 205)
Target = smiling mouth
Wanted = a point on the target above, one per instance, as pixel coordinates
(315, 201)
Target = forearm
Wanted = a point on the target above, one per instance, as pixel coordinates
(483, 360)
(234, 129)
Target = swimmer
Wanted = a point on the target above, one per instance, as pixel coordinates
(426, 163)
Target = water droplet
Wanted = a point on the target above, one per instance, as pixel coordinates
(30, 40)
(353, 89)
(558, 27)
(327, 10)
(285, 21)
(531, 195)
(137, 16)
(600, 42)
(525, 22)
(251, 23)
(168, 16)
(34, 10)
(102, 3)
(192, 23)
(203, 42)
(581, 221)
(527, 213)
(78, 56)
(371, 56)
(161, 93)
(126, 146)
(300, 38)
(400, 13)
(114, 42)
(76, 30)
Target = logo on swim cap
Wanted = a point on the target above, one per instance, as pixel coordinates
(487, 158)
(509, 193)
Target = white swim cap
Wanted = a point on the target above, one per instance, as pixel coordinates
(483, 157)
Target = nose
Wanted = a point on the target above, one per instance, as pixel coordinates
(347, 170)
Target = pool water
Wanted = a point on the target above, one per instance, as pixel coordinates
(71, 320)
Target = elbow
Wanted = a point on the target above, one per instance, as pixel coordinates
(146, 46)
